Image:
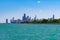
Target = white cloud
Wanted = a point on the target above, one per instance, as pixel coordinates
(38, 1)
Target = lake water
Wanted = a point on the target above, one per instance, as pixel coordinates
(29, 32)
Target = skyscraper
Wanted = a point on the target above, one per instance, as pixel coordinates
(6, 20)
(24, 18)
(35, 17)
(53, 17)
(12, 20)
(28, 19)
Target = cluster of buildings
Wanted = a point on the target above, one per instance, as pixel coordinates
(26, 19)
(52, 18)
(15, 21)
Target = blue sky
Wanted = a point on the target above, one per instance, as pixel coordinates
(40, 8)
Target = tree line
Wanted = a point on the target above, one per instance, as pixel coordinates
(45, 21)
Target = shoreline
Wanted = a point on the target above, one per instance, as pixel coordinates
(29, 23)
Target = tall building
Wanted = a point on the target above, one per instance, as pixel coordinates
(35, 17)
(6, 20)
(24, 18)
(12, 20)
(28, 19)
(53, 17)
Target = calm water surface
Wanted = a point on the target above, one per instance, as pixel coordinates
(29, 32)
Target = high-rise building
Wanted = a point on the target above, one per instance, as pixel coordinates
(24, 18)
(35, 17)
(28, 19)
(12, 20)
(53, 17)
(6, 20)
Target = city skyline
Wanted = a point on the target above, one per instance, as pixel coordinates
(40, 8)
(28, 19)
